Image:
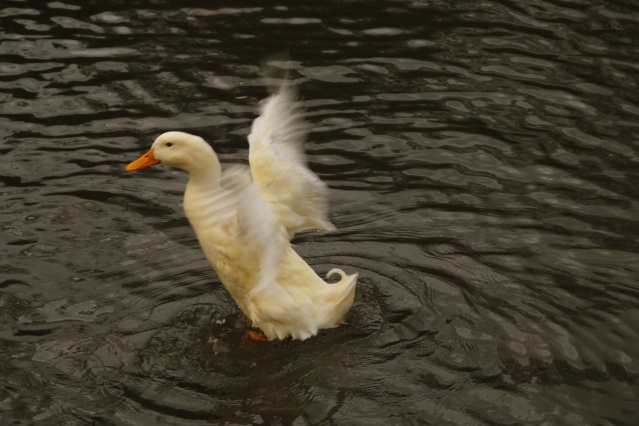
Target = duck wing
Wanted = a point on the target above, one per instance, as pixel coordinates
(257, 227)
(279, 168)
(264, 241)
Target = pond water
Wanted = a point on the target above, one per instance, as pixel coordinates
(483, 164)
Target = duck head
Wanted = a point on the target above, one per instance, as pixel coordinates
(180, 150)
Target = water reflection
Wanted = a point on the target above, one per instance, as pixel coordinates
(482, 163)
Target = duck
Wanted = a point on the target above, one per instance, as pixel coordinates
(244, 219)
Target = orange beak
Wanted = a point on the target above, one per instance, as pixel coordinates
(147, 160)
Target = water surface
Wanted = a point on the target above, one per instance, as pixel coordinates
(482, 158)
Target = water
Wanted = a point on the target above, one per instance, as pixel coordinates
(482, 157)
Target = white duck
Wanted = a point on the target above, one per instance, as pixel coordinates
(244, 221)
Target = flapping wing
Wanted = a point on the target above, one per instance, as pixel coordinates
(265, 239)
(234, 223)
(279, 168)
(260, 230)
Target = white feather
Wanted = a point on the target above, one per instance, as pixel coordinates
(279, 169)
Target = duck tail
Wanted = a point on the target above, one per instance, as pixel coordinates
(347, 284)
(336, 271)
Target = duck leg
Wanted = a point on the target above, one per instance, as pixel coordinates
(252, 339)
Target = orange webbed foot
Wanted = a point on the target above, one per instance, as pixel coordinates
(252, 339)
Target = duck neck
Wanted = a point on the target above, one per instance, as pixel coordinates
(206, 173)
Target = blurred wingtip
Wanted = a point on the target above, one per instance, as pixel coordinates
(276, 69)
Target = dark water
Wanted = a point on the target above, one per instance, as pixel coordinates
(483, 160)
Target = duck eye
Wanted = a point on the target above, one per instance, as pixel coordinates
(169, 144)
